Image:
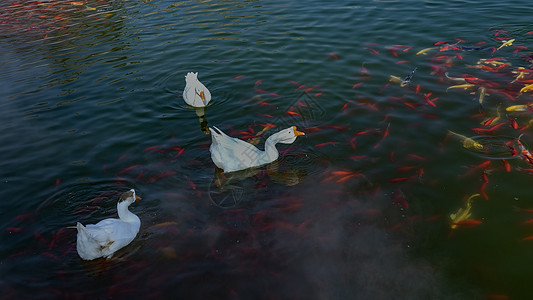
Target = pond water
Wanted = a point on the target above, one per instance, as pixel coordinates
(358, 208)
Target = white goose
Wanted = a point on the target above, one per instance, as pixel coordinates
(232, 154)
(195, 93)
(109, 235)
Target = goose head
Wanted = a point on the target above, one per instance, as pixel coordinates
(287, 136)
(191, 77)
(128, 197)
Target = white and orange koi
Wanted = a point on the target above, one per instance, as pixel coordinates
(524, 152)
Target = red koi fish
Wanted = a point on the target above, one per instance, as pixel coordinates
(400, 179)
(528, 222)
(482, 190)
(399, 198)
(160, 176)
(416, 156)
(356, 85)
(375, 52)
(344, 106)
(325, 144)
(14, 229)
(266, 115)
(468, 223)
(128, 169)
(506, 165)
(365, 131)
(333, 56)
(152, 148)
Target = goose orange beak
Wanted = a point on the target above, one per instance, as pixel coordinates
(137, 198)
(296, 132)
(202, 96)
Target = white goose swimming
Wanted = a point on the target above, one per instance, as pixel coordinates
(107, 236)
(232, 154)
(195, 93)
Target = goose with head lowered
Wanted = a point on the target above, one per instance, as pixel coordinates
(195, 93)
(233, 154)
(104, 238)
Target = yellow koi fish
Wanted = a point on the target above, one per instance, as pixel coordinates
(462, 214)
(527, 88)
(506, 43)
(494, 63)
(395, 79)
(461, 86)
(423, 51)
(468, 143)
(520, 107)
(521, 72)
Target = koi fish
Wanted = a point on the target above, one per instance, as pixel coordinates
(521, 72)
(461, 86)
(514, 124)
(128, 169)
(403, 82)
(524, 152)
(469, 48)
(481, 94)
(293, 113)
(520, 107)
(506, 43)
(456, 79)
(468, 143)
(463, 214)
(423, 51)
(493, 120)
(506, 165)
(527, 88)
(325, 144)
(468, 223)
(395, 79)
(491, 61)
(408, 78)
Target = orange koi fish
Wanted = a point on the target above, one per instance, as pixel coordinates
(293, 113)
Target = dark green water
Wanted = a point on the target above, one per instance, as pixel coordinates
(91, 106)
